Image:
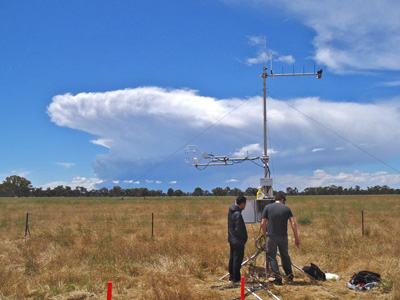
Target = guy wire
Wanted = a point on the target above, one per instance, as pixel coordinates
(340, 136)
(271, 156)
(193, 138)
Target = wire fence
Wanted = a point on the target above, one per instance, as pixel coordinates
(128, 222)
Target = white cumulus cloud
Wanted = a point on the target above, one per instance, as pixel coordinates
(232, 180)
(88, 183)
(147, 124)
(249, 150)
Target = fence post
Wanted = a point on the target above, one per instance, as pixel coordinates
(152, 224)
(27, 231)
(362, 221)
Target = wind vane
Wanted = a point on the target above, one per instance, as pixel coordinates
(201, 158)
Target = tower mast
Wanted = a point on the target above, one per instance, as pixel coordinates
(266, 181)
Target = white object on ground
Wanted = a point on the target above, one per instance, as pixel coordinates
(330, 276)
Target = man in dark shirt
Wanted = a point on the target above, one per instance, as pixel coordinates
(237, 238)
(277, 215)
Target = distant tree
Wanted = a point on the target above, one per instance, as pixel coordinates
(219, 191)
(310, 191)
(292, 191)
(116, 191)
(170, 192)
(158, 193)
(198, 192)
(103, 192)
(236, 192)
(38, 192)
(178, 193)
(143, 192)
(48, 192)
(82, 190)
(228, 191)
(16, 186)
(289, 191)
(357, 190)
(59, 191)
(251, 191)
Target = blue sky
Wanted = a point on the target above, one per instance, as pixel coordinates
(100, 93)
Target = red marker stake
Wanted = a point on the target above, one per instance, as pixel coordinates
(109, 290)
(242, 289)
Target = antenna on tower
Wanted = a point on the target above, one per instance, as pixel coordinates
(272, 70)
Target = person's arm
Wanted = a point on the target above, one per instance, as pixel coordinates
(264, 226)
(240, 226)
(294, 228)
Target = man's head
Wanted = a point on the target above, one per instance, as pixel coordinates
(281, 198)
(241, 201)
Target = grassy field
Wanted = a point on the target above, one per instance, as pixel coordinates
(77, 245)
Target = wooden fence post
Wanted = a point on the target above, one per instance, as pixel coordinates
(362, 221)
(27, 231)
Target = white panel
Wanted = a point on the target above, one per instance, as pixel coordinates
(249, 213)
(266, 181)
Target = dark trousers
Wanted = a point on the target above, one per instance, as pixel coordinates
(235, 262)
(273, 243)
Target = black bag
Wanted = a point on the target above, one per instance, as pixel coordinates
(314, 272)
(364, 277)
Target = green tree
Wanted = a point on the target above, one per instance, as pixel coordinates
(143, 192)
(170, 192)
(178, 193)
(228, 191)
(16, 186)
(116, 191)
(251, 191)
(219, 191)
(59, 191)
(236, 192)
(198, 192)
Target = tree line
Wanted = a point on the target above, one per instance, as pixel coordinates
(16, 186)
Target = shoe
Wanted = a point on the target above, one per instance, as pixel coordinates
(277, 281)
(290, 277)
(234, 284)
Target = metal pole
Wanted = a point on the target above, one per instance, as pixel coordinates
(254, 294)
(152, 224)
(264, 75)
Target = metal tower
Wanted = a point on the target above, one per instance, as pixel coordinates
(266, 182)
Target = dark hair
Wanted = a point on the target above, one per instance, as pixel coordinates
(280, 197)
(240, 199)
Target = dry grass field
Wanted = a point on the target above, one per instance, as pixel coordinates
(77, 245)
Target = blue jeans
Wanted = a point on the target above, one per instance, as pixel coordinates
(281, 242)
